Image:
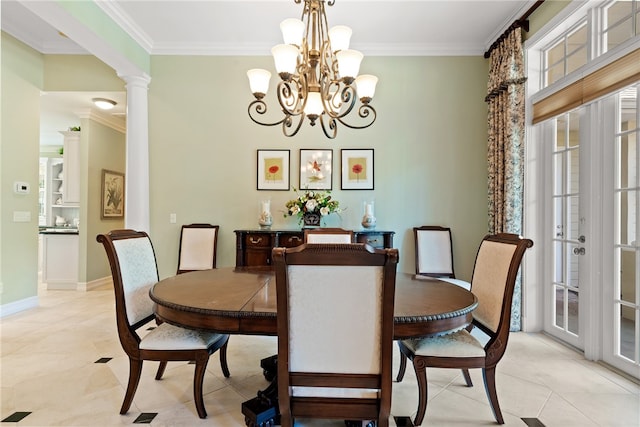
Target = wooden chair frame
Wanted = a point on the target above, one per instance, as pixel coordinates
(130, 340)
(182, 243)
(327, 232)
(335, 407)
(494, 348)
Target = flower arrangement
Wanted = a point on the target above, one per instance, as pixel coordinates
(311, 202)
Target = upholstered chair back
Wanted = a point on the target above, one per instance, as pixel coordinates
(489, 281)
(198, 243)
(320, 305)
(138, 272)
(328, 235)
(434, 254)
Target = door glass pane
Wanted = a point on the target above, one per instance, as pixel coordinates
(627, 171)
(573, 177)
(558, 262)
(627, 336)
(628, 268)
(572, 311)
(626, 217)
(558, 182)
(573, 265)
(574, 128)
(573, 217)
(559, 306)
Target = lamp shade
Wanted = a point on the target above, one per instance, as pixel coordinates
(340, 36)
(285, 57)
(292, 31)
(349, 62)
(259, 80)
(314, 104)
(366, 85)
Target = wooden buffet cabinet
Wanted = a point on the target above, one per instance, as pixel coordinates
(253, 247)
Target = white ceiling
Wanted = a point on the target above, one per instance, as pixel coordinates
(243, 27)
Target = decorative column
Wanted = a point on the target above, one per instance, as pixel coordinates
(137, 168)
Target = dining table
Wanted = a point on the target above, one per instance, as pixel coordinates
(242, 300)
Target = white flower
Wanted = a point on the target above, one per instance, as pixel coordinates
(324, 211)
(311, 205)
(294, 210)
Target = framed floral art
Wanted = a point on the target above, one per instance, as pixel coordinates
(316, 169)
(357, 169)
(112, 204)
(273, 170)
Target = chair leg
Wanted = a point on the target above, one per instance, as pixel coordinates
(489, 376)
(135, 369)
(421, 375)
(161, 367)
(223, 360)
(198, 381)
(403, 365)
(467, 377)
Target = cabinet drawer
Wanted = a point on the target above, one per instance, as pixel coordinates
(374, 240)
(289, 240)
(258, 240)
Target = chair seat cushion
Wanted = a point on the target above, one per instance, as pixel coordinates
(458, 344)
(169, 337)
(358, 393)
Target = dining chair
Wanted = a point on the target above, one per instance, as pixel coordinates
(328, 235)
(335, 342)
(134, 270)
(198, 246)
(493, 282)
(434, 258)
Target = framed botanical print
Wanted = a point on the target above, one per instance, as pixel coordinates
(112, 205)
(316, 168)
(357, 169)
(273, 169)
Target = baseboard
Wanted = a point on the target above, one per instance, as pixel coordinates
(88, 286)
(18, 306)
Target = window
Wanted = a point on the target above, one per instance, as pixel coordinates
(566, 54)
(620, 23)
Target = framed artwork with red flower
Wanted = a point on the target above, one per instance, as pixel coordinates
(273, 170)
(357, 169)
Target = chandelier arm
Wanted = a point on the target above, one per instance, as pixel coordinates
(287, 123)
(289, 99)
(333, 127)
(365, 111)
(260, 107)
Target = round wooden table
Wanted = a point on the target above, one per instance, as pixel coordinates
(243, 301)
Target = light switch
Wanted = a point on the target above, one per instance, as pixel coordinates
(21, 216)
(172, 218)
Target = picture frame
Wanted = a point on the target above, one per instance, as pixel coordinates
(112, 203)
(316, 169)
(357, 169)
(273, 170)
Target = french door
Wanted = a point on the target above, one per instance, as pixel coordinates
(568, 241)
(592, 242)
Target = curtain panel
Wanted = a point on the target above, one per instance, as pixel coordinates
(505, 99)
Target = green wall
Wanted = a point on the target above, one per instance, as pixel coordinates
(429, 141)
(20, 139)
(102, 148)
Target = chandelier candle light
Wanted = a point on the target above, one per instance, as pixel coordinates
(319, 75)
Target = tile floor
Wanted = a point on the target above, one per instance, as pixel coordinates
(49, 377)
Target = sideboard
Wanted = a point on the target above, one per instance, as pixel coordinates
(253, 247)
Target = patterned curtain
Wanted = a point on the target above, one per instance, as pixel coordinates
(505, 99)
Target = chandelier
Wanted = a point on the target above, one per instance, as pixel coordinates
(319, 76)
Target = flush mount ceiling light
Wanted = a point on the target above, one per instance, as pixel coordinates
(104, 103)
(319, 75)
